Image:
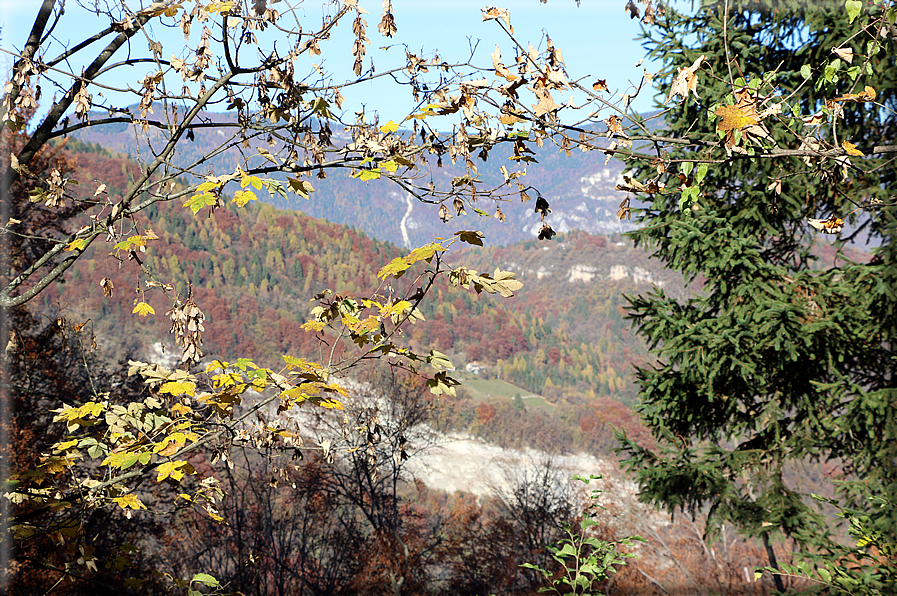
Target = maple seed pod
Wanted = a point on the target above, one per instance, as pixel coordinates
(542, 207)
(187, 327)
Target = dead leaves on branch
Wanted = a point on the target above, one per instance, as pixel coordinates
(359, 47)
(493, 12)
(500, 68)
(632, 185)
(686, 81)
(614, 126)
(187, 327)
(168, 9)
(387, 26)
(845, 54)
(650, 12)
(832, 225)
(624, 212)
(542, 207)
(867, 94)
(82, 103)
(546, 105)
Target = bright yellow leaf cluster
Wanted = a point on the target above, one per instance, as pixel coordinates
(143, 309)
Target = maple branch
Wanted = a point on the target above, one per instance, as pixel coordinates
(136, 187)
(772, 154)
(80, 46)
(6, 301)
(73, 75)
(385, 341)
(31, 46)
(40, 136)
(144, 470)
(61, 132)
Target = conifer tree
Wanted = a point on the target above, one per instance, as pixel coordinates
(785, 354)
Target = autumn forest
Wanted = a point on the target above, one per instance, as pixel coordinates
(526, 339)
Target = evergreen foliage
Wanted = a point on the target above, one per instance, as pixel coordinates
(781, 358)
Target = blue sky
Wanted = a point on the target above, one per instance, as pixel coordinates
(597, 38)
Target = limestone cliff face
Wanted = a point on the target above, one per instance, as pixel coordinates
(584, 273)
(637, 274)
(589, 273)
(567, 261)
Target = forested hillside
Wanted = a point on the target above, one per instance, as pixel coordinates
(563, 337)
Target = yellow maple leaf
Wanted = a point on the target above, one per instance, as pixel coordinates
(313, 326)
(178, 388)
(241, 197)
(222, 7)
(330, 404)
(389, 127)
(129, 500)
(206, 186)
(133, 241)
(66, 445)
(175, 470)
(181, 409)
(254, 181)
(143, 309)
(79, 244)
(368, 325)
(732, 118)
(170, 445)
(851, 149)
(91, 408)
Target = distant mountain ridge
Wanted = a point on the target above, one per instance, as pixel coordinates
(580, 189)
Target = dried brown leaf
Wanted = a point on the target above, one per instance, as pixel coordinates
(845, 54)
(493, 12)
(686, 81)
